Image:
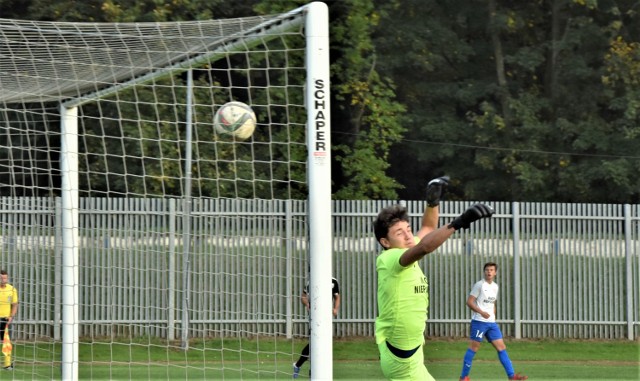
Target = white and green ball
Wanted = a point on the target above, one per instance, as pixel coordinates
(235, 118)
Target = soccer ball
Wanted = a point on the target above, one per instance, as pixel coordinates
(235, 118)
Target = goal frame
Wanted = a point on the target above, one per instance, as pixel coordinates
(318, 124)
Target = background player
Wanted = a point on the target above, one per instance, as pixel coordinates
(482, 301)
(304, 298)
(8, 310)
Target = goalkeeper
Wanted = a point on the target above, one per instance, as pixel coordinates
(403, 296)
(8, 310)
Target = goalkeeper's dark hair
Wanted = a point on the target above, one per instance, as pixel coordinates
(387, 217)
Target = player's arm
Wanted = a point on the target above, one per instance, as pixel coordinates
(14, 311)
(14, 307)
(471, 303)
(429, 221)
(336, 304)
(427, 244)
(429, 232)
(304, 298)
(430, 242)
(435, 191)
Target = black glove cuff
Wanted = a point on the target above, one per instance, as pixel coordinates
(456, 224)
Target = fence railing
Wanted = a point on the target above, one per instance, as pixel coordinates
(565, 270)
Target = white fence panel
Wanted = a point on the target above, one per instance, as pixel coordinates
(565, 270)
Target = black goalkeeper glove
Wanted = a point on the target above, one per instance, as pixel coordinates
(474, 213)
(435, 190)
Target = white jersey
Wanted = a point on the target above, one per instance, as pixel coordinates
(486, 295)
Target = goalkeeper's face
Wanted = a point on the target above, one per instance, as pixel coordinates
(399, 236)
(4, 279)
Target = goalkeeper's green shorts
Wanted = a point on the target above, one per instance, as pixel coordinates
(403, 369)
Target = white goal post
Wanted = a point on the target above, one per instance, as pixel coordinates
(156, 229)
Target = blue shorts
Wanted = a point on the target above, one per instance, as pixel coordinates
(480, 330)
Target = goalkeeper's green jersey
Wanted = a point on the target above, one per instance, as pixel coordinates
(403, 299)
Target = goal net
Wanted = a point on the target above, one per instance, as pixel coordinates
(143, 243)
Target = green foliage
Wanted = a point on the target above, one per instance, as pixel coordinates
(622, 85)
(139, 138)
(563, 127)
(365, 117)
(131, 10)
(541, 98)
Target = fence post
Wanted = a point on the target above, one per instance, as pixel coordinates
(629, 268)
(517, 318)
(171, 308)
(288, 237)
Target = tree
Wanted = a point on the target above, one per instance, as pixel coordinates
(516, 108)
(530, 101)
(365, 114)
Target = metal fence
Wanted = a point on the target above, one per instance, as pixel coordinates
(565, 270)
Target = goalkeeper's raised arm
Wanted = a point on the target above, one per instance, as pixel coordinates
(392, 234)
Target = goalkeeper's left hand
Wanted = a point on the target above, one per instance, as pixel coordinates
(472, 214)
(435, 190)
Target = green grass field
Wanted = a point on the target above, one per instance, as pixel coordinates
(354, 359)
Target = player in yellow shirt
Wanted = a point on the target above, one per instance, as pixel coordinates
(8, 310)
(403, 289)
